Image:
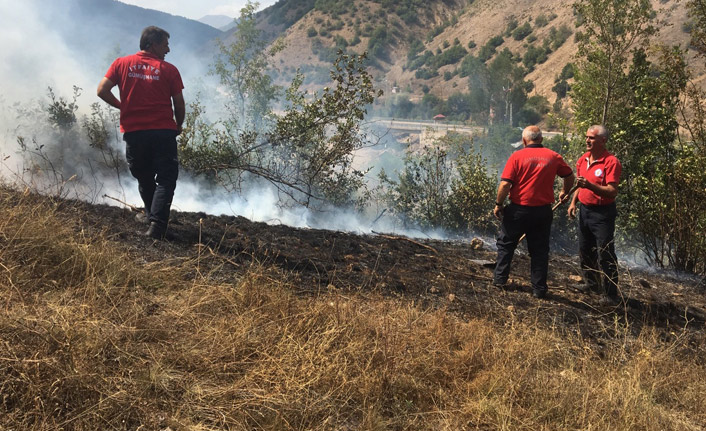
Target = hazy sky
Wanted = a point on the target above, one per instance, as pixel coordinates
(196, 9)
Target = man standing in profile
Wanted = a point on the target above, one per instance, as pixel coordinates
(149, 87)
(528, 177)
(598, 174)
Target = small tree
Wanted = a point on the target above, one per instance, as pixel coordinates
(697, 12)
(472, 194)
(242, 69)
(420, 196)
(611, 30)
(307, 154)
(61, 112)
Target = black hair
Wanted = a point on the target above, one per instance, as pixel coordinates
(152, 35)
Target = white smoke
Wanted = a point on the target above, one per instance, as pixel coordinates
(35, 57)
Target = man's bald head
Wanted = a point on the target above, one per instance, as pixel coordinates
(532, 135)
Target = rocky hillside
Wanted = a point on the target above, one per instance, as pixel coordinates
(417, 45)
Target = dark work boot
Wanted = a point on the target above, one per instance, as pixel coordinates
(156, 230)
(539, 293)
(142, 217)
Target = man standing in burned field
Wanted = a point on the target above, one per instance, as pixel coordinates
(528, 178)
(598, 173)
(152, 111)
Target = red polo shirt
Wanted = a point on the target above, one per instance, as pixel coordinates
(531, 171)
(146, 86)
(604, 170)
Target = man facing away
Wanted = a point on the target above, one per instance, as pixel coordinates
(528, 177)
(598, 174)
(149, 87)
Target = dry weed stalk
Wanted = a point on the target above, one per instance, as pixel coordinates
(90, 338)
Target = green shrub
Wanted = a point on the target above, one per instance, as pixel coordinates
(451, 56)
(425, 73)
(340, 42)
(534, 55)
(557, 37)
(420, 61)
(378, 43)
(496, 41)
(522, 31)
(415, 47)
(486, 52)
(472, 195)
(511, 26)
(541, 21)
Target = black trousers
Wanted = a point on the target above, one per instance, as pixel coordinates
(597, 248)
(536, 223)
(152, 159)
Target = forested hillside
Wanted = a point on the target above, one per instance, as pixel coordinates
(443, 49)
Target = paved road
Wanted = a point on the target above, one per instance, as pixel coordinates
(420, 125)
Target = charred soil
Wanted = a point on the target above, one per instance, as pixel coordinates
(455, 276)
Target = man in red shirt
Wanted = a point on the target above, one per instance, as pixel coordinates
(528, 178)
(598, 174)
(149, 87)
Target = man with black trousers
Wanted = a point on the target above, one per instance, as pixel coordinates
(149, 89)
(528, 178)
(598, 174)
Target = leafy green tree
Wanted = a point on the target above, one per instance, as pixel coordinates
(507, 87)
(473, 190)
(415, 48)
(378, 43)
(611, 30)
(307, 154)
(697, 12)
(419, 198)
(458, 106)
(644, 142)
(241, 67)
(445, 185)
(62, 112)
(641, 103)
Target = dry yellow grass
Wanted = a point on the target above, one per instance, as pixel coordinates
(91, 337)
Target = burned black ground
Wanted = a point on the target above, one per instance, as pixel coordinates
(450, 275)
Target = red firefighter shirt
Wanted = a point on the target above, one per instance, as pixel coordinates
(146, 86)
(531, 171)
(604, 170)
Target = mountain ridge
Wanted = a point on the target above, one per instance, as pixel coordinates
(438, 24)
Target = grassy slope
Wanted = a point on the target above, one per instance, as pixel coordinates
(93, 337)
